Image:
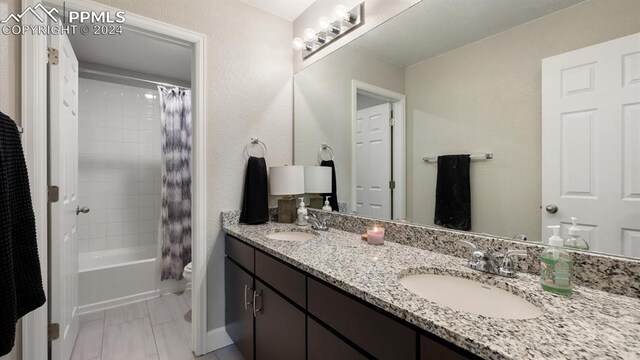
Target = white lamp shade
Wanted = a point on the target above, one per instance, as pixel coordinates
(317, 179)
(286, 180)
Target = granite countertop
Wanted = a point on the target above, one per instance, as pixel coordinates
(591, 324)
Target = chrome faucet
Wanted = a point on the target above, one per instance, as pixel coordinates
(317, 224)
(500, 264)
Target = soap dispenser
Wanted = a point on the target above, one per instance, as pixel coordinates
(575, 240)
(302, 213)
(556, 266)
(326, 206)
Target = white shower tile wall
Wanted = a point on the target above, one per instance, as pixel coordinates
(119, 169)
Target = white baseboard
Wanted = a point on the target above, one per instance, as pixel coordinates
(84, 309)
(217, 339)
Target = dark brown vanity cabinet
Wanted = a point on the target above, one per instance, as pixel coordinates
(275, 311)
(280, 327)
(238, 286)
(262, 323)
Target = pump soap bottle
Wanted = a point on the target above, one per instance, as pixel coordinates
(556, 266)
(575, 241)
(326, 206)
(302, 213)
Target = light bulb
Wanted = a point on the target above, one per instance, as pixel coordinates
(341, 11)
(298, 43)
(309, 34)
(324, 24)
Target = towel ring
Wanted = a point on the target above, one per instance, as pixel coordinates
(255, 141)
(325, 147)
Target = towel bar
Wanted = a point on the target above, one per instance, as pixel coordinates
(474, 157)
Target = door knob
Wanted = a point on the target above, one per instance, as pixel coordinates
(552, 209)
(83, 210)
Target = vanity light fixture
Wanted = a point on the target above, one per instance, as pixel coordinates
(329, 29)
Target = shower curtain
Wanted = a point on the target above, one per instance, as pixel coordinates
(175, 227)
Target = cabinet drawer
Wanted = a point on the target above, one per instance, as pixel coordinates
(432, 350)
(282, 277)
(239, 252)
(322, 345)
(378, 334)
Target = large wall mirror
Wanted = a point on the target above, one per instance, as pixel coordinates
(492, 116)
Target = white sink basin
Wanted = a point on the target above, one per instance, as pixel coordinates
(470, 296)
(290, 236)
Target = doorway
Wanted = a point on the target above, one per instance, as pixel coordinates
(46, 141)
(378, 160)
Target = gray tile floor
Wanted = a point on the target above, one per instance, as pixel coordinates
(155, 329)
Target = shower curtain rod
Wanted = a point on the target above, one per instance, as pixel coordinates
(125, 77)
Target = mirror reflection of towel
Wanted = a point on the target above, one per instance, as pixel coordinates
(333, 201)
(453, 192)
(255, 203)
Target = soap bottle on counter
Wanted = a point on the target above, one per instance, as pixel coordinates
(326, 206)
(556, 266)
(575, 240)
(302, 213)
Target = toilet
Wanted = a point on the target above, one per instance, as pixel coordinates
(188, 270)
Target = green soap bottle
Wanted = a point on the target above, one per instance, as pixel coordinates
(556, 266)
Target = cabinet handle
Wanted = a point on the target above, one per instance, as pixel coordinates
(246, 303)
(256, 310)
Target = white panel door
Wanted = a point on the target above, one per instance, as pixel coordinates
(63, 172)
(591, 143)
(373, 156)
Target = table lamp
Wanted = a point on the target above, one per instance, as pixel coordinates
(286, 181)
(317, 180)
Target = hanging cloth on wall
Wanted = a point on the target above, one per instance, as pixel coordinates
(255, 201)
(175, 227)
(20, 280)
(453, 192)
(333, 200)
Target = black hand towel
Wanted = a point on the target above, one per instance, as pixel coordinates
(20, 281)
(255, 204)
(453, 192)
(333, 201)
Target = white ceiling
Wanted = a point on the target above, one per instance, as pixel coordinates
(433, 27)
(287, 9)
(135, 51)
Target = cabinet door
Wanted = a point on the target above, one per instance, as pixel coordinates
(280, 327)
(238, 285)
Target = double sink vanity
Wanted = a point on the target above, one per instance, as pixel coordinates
(295, 293)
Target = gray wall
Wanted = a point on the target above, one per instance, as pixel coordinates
(323, 107)
(487, 97)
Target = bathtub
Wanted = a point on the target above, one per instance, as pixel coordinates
(110, 278)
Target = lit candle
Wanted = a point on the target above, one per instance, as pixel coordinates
(375, 234)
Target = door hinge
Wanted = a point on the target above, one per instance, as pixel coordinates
(53, 331)
(392, 121)
(392, 184)
(53, 193)
(52, 56)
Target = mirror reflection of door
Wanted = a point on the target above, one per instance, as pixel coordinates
(374, 152)
(590, 117)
